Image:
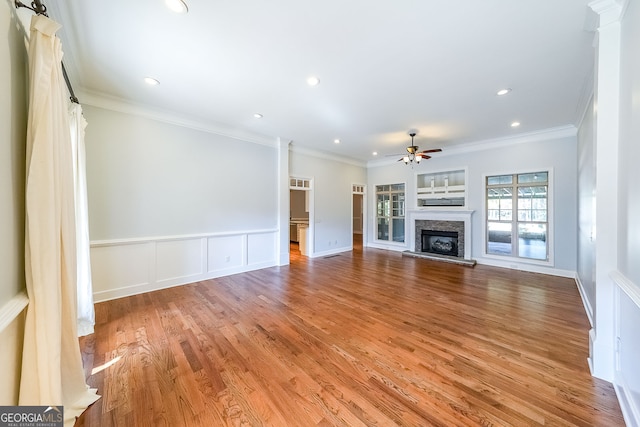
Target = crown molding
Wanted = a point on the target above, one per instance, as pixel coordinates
(327, 156)
(107, 102)
(491, 144)
(610, 11)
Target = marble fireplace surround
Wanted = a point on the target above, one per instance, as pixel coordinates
(438, 215)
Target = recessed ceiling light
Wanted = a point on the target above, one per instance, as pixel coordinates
(515, 124)
(503, 91)
(313, 81)
(151, 81)
(177, 6)
(375, 153)
(257, 115)
(336, 141)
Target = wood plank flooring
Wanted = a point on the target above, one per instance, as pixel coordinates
(365, 338)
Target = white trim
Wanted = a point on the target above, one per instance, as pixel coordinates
(630, 412)
(631, 289)
(125, 291)
(328, 156)
(378, 244)
(383, 243)
(531, 268)
(128, 267)
(137, 240)
(363, 225)
(585, 300)
(627, 395)
(437, 172)
(496, 143)
(512, 260)
(332, 252)
(112, 103)
(10, 311)
(310, 198)
(610, 11)
(284, 203)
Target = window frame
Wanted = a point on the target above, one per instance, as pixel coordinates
(390, 241)
(514, 219)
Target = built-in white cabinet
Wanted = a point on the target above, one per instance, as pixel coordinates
(295, 227)
(446, 188)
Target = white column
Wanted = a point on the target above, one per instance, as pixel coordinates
(607, 96)
(283, 202)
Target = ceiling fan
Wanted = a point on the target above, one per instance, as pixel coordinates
(414, 155)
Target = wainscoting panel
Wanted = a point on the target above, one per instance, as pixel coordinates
(179, 259)
(12, 320)
(121, 266)
(226, 252)
(133, 266)
(627, 375)
(261, 248)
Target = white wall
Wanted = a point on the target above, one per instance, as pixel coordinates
(614, 133)
(629, 151)
(170, 205)
(332, 198)
(586, 211)
(13, 119)
(149, 178)
(627, 278)
(554, 150)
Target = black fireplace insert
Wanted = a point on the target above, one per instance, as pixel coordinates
(440, 242)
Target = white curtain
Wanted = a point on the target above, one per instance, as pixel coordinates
(86, 313)
(51, 365)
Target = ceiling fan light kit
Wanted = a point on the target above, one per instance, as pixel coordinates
(414, 155)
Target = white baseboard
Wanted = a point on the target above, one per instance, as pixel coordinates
(128, 267)
(332, 252)
(531, 268)
(387, 247)
(126, 291)
(628, 403)
(585, 300)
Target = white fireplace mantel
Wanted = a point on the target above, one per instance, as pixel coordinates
(440, 215)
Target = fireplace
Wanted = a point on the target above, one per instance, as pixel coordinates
(447, 236)
(440, 242)
(449, 220)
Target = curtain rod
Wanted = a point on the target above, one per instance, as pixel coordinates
(41, 9)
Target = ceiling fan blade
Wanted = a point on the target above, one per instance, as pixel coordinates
(434, 150)
(423, 156)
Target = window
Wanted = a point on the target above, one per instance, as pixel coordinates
(299, 183)
(390, 212)
(517, 215)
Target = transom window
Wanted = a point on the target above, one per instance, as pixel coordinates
(390, 201)
(300, 183)
(517, 215)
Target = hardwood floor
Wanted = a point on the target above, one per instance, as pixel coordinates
(363, 338)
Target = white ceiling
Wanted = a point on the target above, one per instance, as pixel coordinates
(385, 67)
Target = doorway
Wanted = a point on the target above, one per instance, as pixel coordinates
(301, 216)
(358, 214)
